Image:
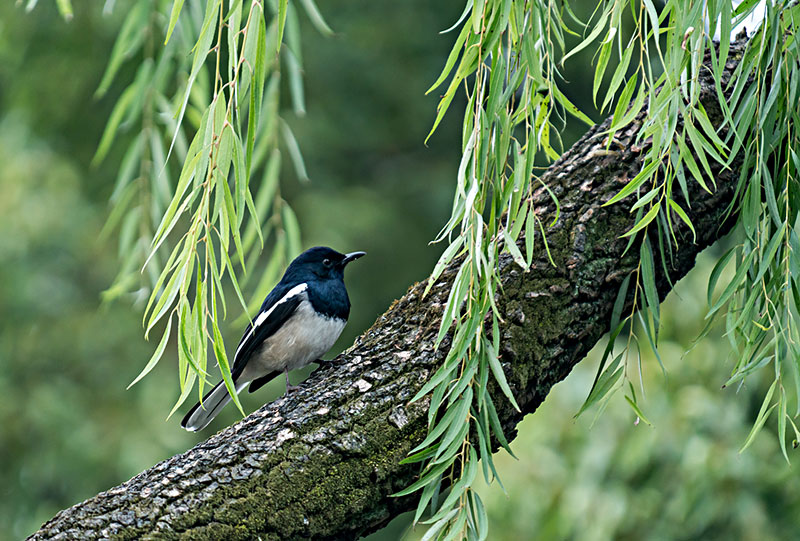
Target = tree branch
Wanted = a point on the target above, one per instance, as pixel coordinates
(322, 462)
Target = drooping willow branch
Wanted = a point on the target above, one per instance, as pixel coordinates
(508, 55)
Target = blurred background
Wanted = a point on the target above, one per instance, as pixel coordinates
(68, 427)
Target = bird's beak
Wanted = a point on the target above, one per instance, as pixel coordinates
(352, 256)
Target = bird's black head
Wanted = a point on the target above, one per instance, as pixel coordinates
(321, 263)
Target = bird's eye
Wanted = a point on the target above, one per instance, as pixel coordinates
(326, 262)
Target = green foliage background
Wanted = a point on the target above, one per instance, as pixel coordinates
(68, 428)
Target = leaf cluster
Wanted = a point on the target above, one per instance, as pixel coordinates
(649, 58)
(206, 98)
(505, 57)
(757, 104)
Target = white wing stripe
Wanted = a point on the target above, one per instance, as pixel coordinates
(262, 317)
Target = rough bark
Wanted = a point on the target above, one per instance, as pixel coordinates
(322, 462)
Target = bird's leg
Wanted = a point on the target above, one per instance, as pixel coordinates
(289, 386)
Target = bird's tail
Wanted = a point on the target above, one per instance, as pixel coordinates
(204, 412)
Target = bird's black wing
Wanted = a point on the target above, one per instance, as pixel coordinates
(257, 383)
(269, 319)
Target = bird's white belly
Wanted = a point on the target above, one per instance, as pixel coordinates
(302, 339)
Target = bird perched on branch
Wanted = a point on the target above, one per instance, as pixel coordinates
(299, 321)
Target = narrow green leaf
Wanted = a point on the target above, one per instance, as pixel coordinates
(444, 260)
(500, 377)
(649, 280)
(131, 37)
(637, 410)
(114, 120)
(443, 373)
(457, 528)
(683, 216)
(544, 241)
(610, 376)
(184, 336)
(222, 358)
(292, 227)
(162, 345)
(282, 9)
(188, 384)
(177, 5)
(454, 299)
(296, 91)
(734, 284)
(599, 26)
(645, 174)
(641, 224)
(530, 234)
(763, 414)
(716, 272)
(427, 495)
(497, 428)
(451, 59)
(199, 337)
(444, 104)
(782, 416)
(461, 18)
(165, 298)
(617, 78)
(570, 107)
(619, 303)
(460, 423)
(458, 488)
(757, 363)
(201, 50)
(513, 249)
(652, 13)
(434, 530)
(646, 198)
(768, 259)
(481, 516)
(602, 63)
(632, 111)
(429, 475)
(421, 456)
(294, 152)
(454, 414)
(316, 18)
(701, 147)
(258, 50)
(164, 229)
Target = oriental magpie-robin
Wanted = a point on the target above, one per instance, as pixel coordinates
(299, 321)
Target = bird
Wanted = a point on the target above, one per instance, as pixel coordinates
(298, 322)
